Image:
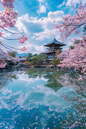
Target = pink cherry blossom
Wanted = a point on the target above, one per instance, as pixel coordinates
(8, 19)
(22, 39)
(3, 65)
(74, 58)
(71, 24)
(7, 3)
(1, 34)
(23, 49)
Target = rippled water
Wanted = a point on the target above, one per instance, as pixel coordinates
(42, 99)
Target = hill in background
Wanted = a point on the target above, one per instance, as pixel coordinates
(22, 54)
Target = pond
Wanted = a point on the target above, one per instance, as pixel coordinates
(42, 99)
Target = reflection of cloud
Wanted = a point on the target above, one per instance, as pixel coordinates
(5, 91)
(3, 104)
(37, 97)
(34, 95)
(22, 98)
(24, 77)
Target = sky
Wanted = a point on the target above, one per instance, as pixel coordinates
(35, 19)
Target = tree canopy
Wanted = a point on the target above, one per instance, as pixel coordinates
(76, 56)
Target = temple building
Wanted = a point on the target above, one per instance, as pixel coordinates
(53, 46)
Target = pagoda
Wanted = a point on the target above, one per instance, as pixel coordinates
(53, 46)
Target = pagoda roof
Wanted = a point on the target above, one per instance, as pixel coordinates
(48, 52)
(54, 42)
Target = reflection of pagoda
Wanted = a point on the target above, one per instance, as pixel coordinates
(53, 47)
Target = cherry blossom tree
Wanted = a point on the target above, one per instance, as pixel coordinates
(75, 57)
(8, 19)
(72, 23)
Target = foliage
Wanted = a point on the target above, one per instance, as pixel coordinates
(12, 54)
(44, 57)
(28, 57)
(76, 41)
(36, 60)
(75, 57)
(84, 30)
(26, 62)
(57, 52)
(71, 47)
(8, 19)
(55, 61)
(11, 63)
(34, 55)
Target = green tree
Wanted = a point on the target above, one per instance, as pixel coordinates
(71, 47)
(12, 54)
(36, 60)
(28, 57)
(77, 41)
(84, 30)
(39, 59)
(57, 52)
(44, 57)
(35, 55)
(55, 61)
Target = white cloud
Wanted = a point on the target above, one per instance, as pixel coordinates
(84, 1)
(72, 1)
(42, 9)
(5, 34)
(35, 49)
(63, 3)
(49, 30)
(57, 15)
(24, 21)
(42, 6)
(40, 28)
(41, 1)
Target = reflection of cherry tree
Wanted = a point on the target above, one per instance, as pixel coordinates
(71, 80)
(77, 98)
(7, 19)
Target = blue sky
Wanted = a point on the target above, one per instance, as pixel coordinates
(36, 20)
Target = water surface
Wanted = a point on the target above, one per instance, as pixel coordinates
(42, 99)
